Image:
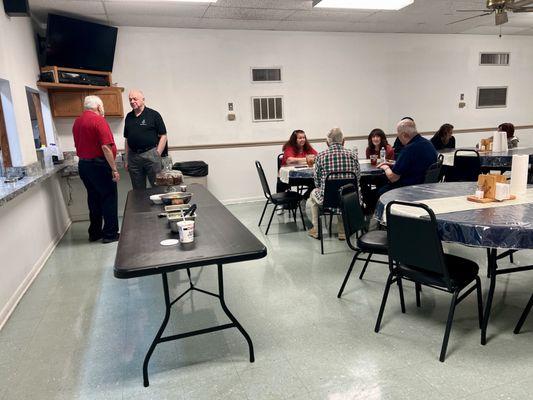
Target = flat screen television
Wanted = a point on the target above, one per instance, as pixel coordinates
(74, 43)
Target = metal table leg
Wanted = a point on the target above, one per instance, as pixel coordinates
(168, 304)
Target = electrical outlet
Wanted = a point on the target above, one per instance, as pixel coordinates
(230, 106)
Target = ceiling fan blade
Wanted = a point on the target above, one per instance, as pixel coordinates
(466, 19)
(519, 4)
(523, 10)
(485, 10)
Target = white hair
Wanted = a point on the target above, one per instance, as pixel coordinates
(92, 103)
(335, 135)
(408, 127)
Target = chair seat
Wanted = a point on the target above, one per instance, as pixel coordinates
(286, 197)
(373, 242)
(462, 271)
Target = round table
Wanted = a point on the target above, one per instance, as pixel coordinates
(508, 227)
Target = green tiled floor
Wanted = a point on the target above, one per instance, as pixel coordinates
(79, 333)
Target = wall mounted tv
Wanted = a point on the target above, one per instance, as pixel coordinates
(75, 43)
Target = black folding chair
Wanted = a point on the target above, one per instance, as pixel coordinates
(524, 315)
(289, 199)
(466, 168)
(415, 254)
(373, 242)
(434, 172)
(331, 203)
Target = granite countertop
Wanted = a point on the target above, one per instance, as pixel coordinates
(8, 191)
(71, 166)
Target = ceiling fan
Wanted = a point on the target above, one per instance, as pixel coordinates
(500, 8)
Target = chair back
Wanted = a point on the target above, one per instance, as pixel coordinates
(352, 213)
(466, 168)
(262, 178)
(279, 160)
(333, 182)
(433, 173)
(414, 240)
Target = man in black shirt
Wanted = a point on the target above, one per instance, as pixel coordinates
(146, 139)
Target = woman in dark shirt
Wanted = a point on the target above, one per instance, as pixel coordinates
(443, 139)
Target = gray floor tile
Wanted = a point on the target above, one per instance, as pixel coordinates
(79, 333)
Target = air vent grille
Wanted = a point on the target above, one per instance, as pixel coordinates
(266, 74)
(492, 97)
(494, 59)
(267, 108)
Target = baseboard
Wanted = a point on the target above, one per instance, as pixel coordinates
(243, 200)
(8, 309)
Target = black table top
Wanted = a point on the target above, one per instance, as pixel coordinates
(219, 237)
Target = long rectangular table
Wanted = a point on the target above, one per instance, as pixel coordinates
(219, 239)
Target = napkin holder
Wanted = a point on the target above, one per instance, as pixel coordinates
(489, 183)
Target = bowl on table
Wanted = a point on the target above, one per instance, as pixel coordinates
(176, 198)
(156, 199)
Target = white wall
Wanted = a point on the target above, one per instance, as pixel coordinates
(19, 66)
(355, 81)
(30, 227)
(40, 213)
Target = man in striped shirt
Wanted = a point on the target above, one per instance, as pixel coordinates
(335, 159)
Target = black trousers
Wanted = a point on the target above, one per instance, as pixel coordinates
(102, 198)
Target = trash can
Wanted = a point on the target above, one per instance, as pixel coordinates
(193, 171)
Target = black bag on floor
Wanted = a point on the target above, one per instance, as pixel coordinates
(192, 168)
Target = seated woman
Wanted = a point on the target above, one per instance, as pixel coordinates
(512, 140)
(443, 139)
(376, 141)
(296, 149)
(370, 184)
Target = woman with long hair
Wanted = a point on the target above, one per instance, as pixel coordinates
(296, 149)
(376, 141)
(443, 139)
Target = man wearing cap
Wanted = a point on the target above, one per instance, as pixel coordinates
(145, 141)
(95, 147)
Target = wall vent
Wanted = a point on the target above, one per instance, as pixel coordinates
(494, 58)
(491, 97)
(266, 74)
(267, 108)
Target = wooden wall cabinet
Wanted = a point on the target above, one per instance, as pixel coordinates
(66, 99)
(69, 103)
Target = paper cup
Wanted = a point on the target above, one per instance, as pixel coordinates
(186, 231)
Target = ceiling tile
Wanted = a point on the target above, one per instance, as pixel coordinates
(246, 13)
(154, 21)
(328, 15)
(155, 8)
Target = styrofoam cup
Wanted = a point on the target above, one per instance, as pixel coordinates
(186, 231)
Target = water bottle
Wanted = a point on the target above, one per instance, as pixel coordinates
(382, 154)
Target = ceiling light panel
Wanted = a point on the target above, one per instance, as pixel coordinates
(365, 4)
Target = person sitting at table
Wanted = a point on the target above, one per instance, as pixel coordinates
(335, 158)
(443, 139)
(295, 152)
(414, 160)
(296, 149)
(397, 145)
(512, 140)
(376, 141)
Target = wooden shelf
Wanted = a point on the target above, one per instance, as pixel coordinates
(72, 86)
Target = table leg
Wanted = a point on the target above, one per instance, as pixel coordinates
(230, 315)
(492, 267)
(157, 338)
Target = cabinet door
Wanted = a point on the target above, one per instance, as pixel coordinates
(66, 104)
(112, 99)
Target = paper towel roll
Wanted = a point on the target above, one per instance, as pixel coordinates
(519, 169)
(497, 142)
(504, 141)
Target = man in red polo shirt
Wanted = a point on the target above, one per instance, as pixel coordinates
(96, 149)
